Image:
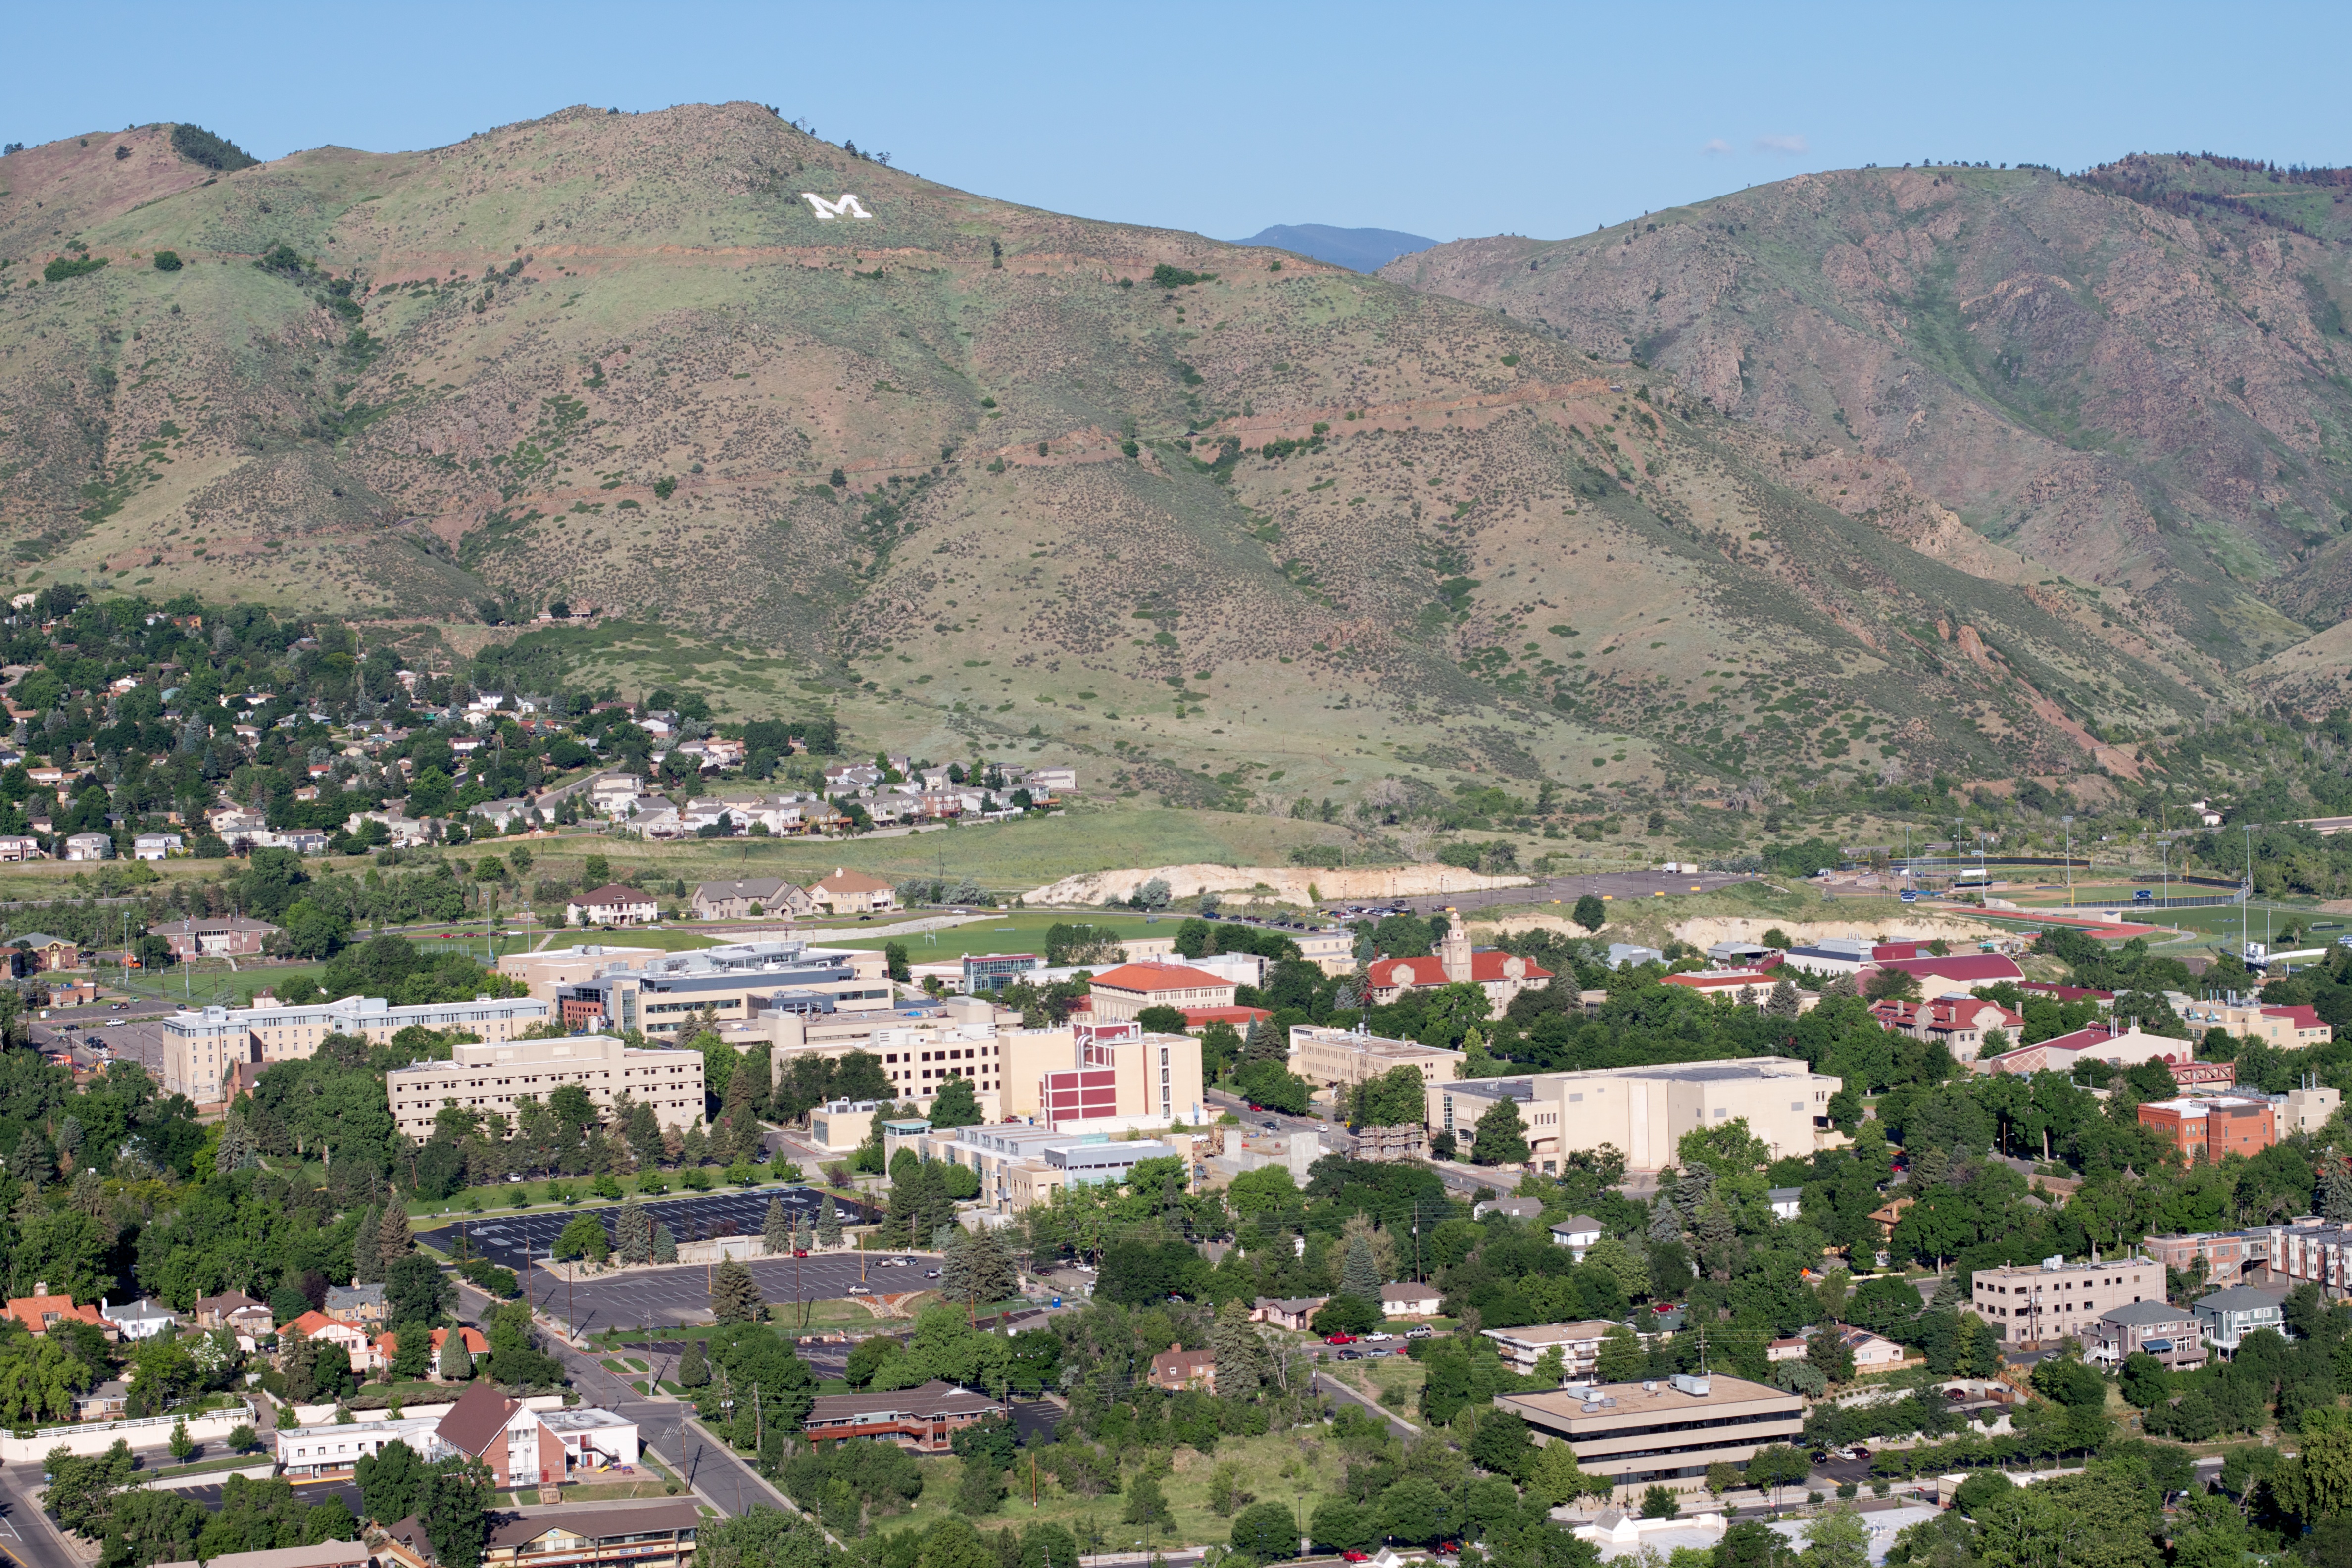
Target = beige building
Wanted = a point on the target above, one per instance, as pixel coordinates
(1330, 1058)
(491, 1077)
(847, 892)
(1125, 990)
(2031, 1304)
(749, 897)
(1579, 1345)
(1663, 1433)
(1644, 1111)
(549, 968)
(201, 1047)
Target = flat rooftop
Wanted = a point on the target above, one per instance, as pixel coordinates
(1550, 1333)
(1634, 1400)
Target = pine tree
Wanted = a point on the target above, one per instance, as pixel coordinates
(457, 1361)
(977, 1267)
(1359, 1276)
(1782, 1003)
(2335, 1193)
(367, 1262)
(1241, 1354)
(828, 1223)
(392, 1241)
(636, 1233)
(693, 1366)
(735, 1295)
(665, 1243)
(1266, 1044)
(238, 1150)
(803, 1238)
(776, 1228)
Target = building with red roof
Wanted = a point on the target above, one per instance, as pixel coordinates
(41, 1311)
(387, 1346)
(1729, 981)
(1955, 971)
(316, 1325)
(1502, 975)
(1958, 1024)
(2102, 1041)
(2288, 1029)
(2057, 993)
(1126, 990)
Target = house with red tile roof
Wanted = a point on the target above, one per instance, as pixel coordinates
(1730, 982)
(316, 1325)
(387, 1346)
(1502, 975)
(1958, 1024)
(1956, 971)
(41, 1311)
(1125, 990)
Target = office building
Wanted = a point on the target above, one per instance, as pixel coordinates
(2210, 1126)
(1020, 1164)
(1328, 1058)
(2030, 1304)
(1644, 1111)
(490, 1078)
(1663, 1433)
(202, 1048)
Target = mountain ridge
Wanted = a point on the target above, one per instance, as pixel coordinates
(1357, 250)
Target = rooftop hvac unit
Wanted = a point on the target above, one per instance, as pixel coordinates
(1691, 1384)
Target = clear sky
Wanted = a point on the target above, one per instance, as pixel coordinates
(1440, 120)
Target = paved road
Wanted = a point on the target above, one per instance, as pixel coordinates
(27, 1534)
(1337, 1141)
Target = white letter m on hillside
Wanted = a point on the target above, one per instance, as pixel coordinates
(827, 211)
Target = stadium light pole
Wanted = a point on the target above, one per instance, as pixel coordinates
(2068, 823)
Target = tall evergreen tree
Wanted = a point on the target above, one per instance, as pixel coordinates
(392, 1241)
(457, 1361)
(1359, 1276)
(977, 1267)
(693, 1366)
(1243, 1363)
(367, 1259)
(828, 1223)
(735, 1295)
(776, 1228)
(635, 1228)
(1266, 1043)
(665, 1243)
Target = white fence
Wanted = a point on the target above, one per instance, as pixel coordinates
(139, 1431)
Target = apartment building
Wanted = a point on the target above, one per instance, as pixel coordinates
(1579, 1345)
(1328, 1058)
(1644, 1111)
(1663, 1433)
(2167, 1332)
(2029, 1304)
(200, 1048)
(668, 993)
(2289, 1028)
(492, 1076)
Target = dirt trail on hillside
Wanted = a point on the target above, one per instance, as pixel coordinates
(1285, 884)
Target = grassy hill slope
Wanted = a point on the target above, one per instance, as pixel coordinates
(1243, 529)
(2150, 392)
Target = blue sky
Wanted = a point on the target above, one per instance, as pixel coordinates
(1445, 120)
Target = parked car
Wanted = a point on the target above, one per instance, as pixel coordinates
(1342, 1339)
(1421, 1331)
(800, 1252)
(859, 1290)
(1351, 1355)
(1352, 1555)
(1378, 1337)
(931, 1273)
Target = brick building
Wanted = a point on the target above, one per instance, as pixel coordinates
(2210, 1126)
(921, 1420)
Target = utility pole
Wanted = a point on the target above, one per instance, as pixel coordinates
(2068, 821)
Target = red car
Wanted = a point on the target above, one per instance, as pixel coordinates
(1339, 1340)
(800, 1252)
(1352, 1555)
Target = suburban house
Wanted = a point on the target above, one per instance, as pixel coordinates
(1872, 1353)
(1292, 1312)
(387, 1346)
(2226, 1317)
(316, 1325)
(1501, 976)
(1407, 1300)
(611, 905)
(1787, 1202)
(847, 892)
(88, 846)
(750, 898)
(19, 847)
(2159, 1329)
(141, 1320)
(354, 1303)
(1177, 1367)
(921, 1420)
(655, 1535)
(157, 845)
(40, 1311)
(1577, 1233)
(236, 1311)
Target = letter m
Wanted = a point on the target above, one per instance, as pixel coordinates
(826, 211)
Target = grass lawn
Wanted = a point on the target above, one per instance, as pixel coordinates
(1296, 1468)
(1394, 1381)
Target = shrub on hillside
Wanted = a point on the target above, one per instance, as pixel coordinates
(198, 145)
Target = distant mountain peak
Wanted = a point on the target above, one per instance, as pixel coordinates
(1361, 250)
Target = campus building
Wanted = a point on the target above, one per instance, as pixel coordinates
(668, 996)
(2031, 1303)
(1665, 1432)
(201, 1047)
(2210, 1126)
(1644, 1111)
(1328, 1058)
(1020, 1164)
(490, 1077)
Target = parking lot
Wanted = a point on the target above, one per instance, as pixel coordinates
(514, 1240)
(679, 1297)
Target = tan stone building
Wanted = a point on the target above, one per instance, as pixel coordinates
(201, 1047)
(1126, 990)
(1662, 1432)
(1328, 1058)
(847, 892)
(490, 1077)
(1644, 1111)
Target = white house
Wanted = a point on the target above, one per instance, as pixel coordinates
(1577, 1233)
(1406, 1299)
(157, 845)
(88, 846)
(1785, 1201)
(139, 1319)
